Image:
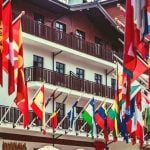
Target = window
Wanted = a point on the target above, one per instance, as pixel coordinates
(80, 73)
(37, 61)
(113, 84)
(80, 37)
(38, 25)
(60, 26)
(98, 78)
(39, 18)
(80, 34)
(60, 67)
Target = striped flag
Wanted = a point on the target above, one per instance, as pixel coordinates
(71, 114)
(38, 103)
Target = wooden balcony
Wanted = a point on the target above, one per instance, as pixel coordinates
(69, 40)
(68, 81)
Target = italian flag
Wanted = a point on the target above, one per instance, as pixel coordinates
(88, 116)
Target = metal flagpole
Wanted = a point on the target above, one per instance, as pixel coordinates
(65, 116)
(6, 2)
(14, 125)
(82, 110)
(59, 108)
(95, 111)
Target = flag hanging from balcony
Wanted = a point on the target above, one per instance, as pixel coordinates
(71, 114)
(1, 44)
(38, 103)
(88, 116)
(8, 45)
(22, 92)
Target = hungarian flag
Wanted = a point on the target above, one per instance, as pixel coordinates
(38, 103)
(54, 120)
(8, 45)
(1, 43)
(22, 96)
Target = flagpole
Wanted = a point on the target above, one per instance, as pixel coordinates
(121, 8)
(6, 112)
(18, 17)
(4, 3)
(95, 111)
(59, 108)
(82, 110)
(14, 125)
(65, 116)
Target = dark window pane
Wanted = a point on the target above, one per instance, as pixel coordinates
(98, 78)
(80, 73)
(113, 83)
(39, 18)
(80, 34)
(60, 26)
(37, 61)
(60, 67)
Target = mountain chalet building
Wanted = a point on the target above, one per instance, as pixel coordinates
(70, 46)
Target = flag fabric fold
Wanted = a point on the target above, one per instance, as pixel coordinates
(38, 103)
(71, 114)
(22, 96)
(54, 120)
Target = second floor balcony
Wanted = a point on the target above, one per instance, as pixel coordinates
(69, 40)
(68, 81)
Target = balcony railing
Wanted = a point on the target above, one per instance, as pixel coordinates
(69, 40)
(14, 113)
(68, 81)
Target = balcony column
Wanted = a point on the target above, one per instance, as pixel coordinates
(53, 58)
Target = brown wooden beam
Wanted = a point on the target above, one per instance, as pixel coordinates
(29, 138)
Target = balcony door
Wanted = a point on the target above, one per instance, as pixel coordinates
(60, 30)
(80, 35)
(39, 20)
(38, 68)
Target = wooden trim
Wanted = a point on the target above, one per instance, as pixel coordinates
(29, 138)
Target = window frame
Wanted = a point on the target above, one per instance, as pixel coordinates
(79, 74)
(60, 68)
(98, 78)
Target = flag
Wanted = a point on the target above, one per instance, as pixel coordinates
(100, 116)
(134, 33)
(101, 119)
(54, 120)
(38, 103)
(88, 116)
(1, 43)
(8, 45)
(21, 99)
(71, 114)
(140, 68)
